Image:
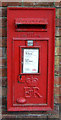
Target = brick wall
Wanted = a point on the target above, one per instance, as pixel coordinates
(3, 61)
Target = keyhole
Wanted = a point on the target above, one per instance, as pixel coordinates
(20, 76)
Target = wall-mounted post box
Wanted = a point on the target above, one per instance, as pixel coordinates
(30, 58)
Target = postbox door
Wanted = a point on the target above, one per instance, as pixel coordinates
(30, 72)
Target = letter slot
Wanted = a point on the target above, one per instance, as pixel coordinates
(30, 24)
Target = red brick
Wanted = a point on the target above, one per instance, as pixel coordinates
(57, 50)
(3, 42)
(60, 4)
(58, 12)
(59, 99)
(4, 109)
(3, 82)
(0, 3)
(58, 31)
(55, 112)
(60, 90)
(0, 12)
(0, 32)
(37, 3)
(3, 32)
(57, 60)
(28, 3)
(3, 22)
(56, 90)
(0, 22)
(57, 70)
(57, 4)
(0, 52)
(7, 116)
(56, 80)
(0, 116)
(4, 91)
(4, 100)
(23, 117)
(4, 12)
(3, 62)
(58, 22)
(0, 91)
(5, 4)
(58, 41)
(60, 80)
(0, 41)
(56, 99)
(0, 100)
(3, 72)
(4, 52)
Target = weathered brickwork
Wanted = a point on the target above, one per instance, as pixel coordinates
(3, 60)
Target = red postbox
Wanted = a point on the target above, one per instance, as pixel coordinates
(30, 58)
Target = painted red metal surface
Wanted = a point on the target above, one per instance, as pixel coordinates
(30, 29)
(30, 21)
